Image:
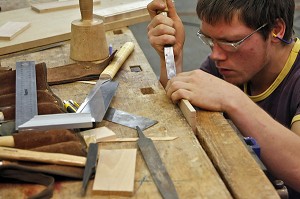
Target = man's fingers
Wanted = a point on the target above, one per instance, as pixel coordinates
(155, 6)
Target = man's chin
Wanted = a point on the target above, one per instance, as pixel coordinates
(234, 81)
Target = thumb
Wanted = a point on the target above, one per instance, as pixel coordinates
(171, 9)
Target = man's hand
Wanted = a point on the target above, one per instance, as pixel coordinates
(165, 30)
(203, 90)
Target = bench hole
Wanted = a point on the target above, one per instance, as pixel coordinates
(136, 68)
(147, 91)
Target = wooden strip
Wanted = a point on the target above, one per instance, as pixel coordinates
(189, 113)
(135, 139)
(231, 158)
(10, 30)
(57, 5)
(115, 171)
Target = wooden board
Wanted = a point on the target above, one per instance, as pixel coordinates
(57, 5)
(51, 27)
(231, 158)
(115, 171)
(98, 134)
(124, 14)
(11, 29)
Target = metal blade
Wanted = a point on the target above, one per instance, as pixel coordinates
(169, 58)
(59, 121)
(90, 166)
(128, 119)
(98, 99)
(170, 61)
(156, 167)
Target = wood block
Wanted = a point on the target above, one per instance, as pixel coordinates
(124, 14)
(57, 5)
(100, 134)
(115, 171)
(10, 30)
(189, 113)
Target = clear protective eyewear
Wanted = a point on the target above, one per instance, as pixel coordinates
(227, 46)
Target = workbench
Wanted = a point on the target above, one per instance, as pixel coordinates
(211, 163)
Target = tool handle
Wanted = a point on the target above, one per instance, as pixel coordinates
(120, 57)
(7, 141)
(7, 153)
(86, 9)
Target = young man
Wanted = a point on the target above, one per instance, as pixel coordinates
(252, 73)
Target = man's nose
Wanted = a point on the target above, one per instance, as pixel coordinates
(217, 53)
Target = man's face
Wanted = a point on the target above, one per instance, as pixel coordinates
(247, 61)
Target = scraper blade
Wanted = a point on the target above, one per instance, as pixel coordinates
(128, 119)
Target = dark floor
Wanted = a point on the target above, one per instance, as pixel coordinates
(194, 51)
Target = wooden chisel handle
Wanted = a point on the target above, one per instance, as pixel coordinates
(7, 141)
(120, 57)
(7, 153)
(86, 9)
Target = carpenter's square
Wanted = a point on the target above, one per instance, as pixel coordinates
(156, 167)
(97, 101)
(26, 94)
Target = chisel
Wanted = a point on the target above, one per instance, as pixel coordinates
(185, 106)
(169, 54)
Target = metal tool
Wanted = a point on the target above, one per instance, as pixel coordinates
(100, 96)
(169, 55)
(156, 167)
(98, 99)
(128, 119)
(26, 94)
(90, 167)
(59, 121)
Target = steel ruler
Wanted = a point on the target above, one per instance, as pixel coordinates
(26, 94)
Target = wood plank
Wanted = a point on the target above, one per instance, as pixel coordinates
(122, 11)
(57, 5)
(189, 113)
(115, 171)
(51, 27)
(236, 166)
(11, 29)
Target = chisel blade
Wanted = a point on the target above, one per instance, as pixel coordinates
(90, 166)
(170, 61)
(128, 119)
(156, 167)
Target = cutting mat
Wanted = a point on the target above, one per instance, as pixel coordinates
(52, 27)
